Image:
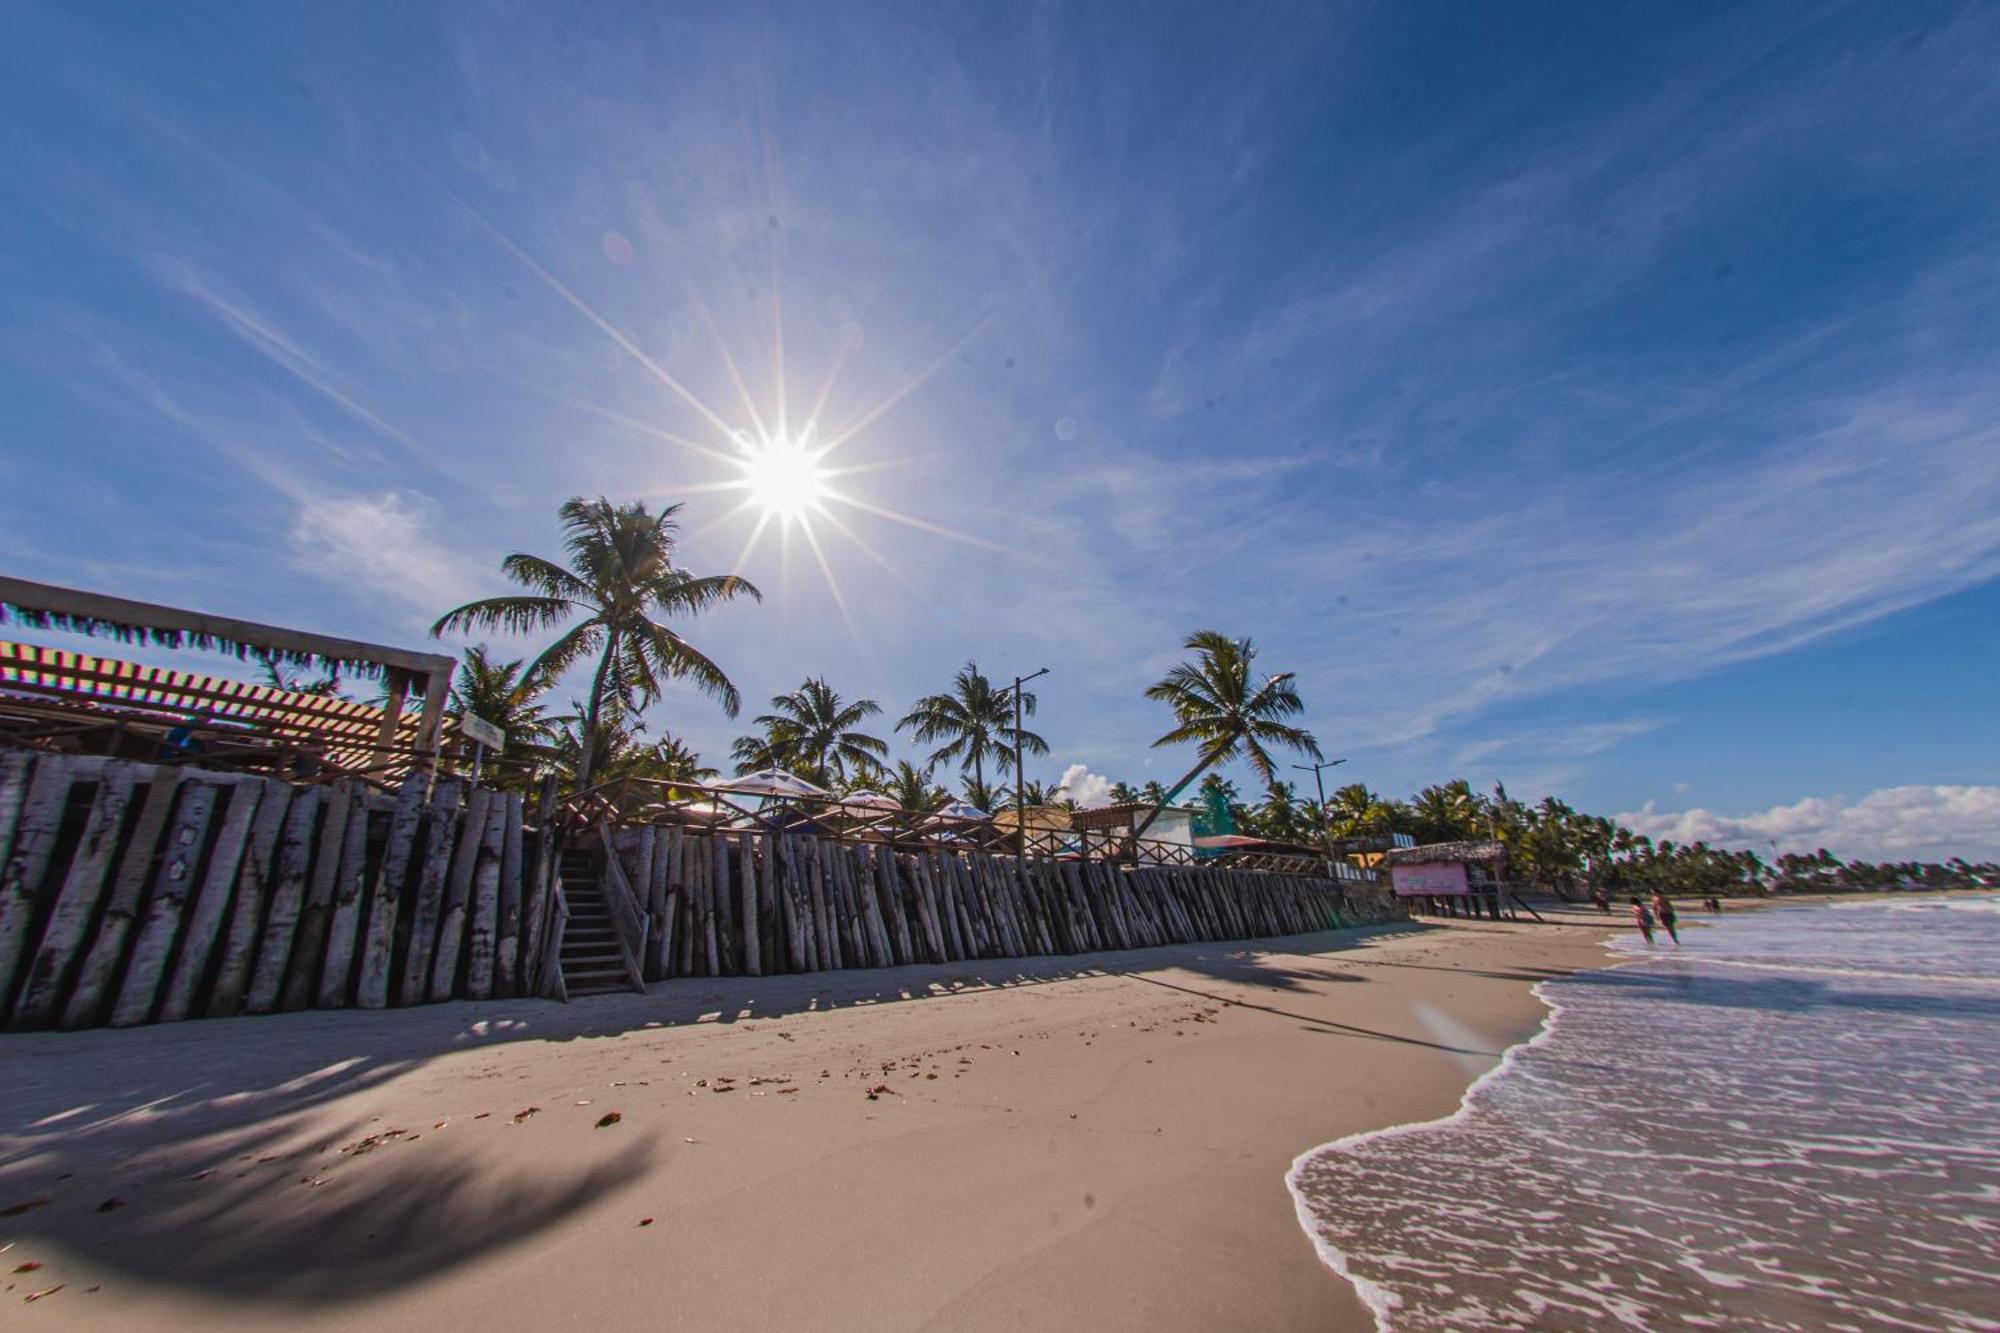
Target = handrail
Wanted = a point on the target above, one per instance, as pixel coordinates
(628, 916)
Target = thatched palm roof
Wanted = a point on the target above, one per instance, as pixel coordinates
(1465, 853)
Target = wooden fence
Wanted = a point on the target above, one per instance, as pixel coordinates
(134, 893)
(718, 902)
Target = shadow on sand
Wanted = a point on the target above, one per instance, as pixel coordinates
(201, 1130)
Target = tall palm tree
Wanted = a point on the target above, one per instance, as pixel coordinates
(1123, 793)
(974, 721)
(620, 578)
(815, 732)
(1219, 706)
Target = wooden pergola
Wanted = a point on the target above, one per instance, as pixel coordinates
(81, 682)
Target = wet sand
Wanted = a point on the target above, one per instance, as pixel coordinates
(1048, 1143)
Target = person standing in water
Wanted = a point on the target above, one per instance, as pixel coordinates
(1644, 920)
(1663, 911)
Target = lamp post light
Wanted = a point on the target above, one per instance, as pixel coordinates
(1020, 796)
(1325, 826)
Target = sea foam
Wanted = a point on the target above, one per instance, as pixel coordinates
(1788, 1123)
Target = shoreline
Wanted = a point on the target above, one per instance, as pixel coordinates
(1102, 1138)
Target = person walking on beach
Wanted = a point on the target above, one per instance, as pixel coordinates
(1663, 911)
(1644, 919)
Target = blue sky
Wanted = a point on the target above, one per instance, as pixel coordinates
(1599, 398)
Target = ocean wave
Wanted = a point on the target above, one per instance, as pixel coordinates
(1682, 1144)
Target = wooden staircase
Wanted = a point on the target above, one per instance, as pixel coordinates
(594, 961)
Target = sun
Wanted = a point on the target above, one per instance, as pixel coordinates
(782, 475)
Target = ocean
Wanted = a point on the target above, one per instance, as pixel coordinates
(1792, 1122)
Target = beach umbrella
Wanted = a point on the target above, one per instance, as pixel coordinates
(770, 782)
(960, 810)
(869, 800)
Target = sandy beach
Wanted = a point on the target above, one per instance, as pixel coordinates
(1057, 1142)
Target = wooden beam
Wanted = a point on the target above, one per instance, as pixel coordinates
(47, 598)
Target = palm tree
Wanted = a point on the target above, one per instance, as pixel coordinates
(673, 761)
(911, 787)
(1033, 792)
(1123, 793)
(1219, 706)
(620, 577)
(812, 731)
(326, 687)
(974, 721)
(978, 793)
(501, 693)
(1153, 793)
(1448, 813)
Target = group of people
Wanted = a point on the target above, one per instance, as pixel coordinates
(1661, 911)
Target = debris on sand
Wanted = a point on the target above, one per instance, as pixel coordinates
(15, 1210)
(111, 1205)
(609, 1118)
(46, 1291)
(521, 1115)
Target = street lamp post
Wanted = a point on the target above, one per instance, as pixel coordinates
(1020, 796)
(1325, 827)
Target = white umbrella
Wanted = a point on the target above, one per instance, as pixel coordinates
(960, 810)
(770, 782)
(869, 800)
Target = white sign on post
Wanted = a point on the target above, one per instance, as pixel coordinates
(479, 729)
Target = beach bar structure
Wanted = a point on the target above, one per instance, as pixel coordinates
(70, 702)
(1451, 878)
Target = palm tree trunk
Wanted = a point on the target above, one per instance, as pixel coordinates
(1207, 758)
(592, 709)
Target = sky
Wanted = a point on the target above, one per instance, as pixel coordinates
(1600, 398)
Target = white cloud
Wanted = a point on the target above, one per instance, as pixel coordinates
(1888, 824)
(1086, 788)
(386, 541)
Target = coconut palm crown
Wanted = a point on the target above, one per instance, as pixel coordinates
(1221, 707)
(974, 721)
(815, 733)
(620, 580)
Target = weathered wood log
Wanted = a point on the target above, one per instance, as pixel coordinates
(90, 993)
(64, 935)
(288, 893)
(893, 907)
(507, 960)
(727, 894)
(826, 950)
(650, 880)
(753, 952)
(209, 907)
(427, 906)
(378, 939)
(768, 925)
(714, 873)
(343, 919)
(458, 895)
(483, 936)
(36, 827)
(172, 883)
(536, 911)
(254, 883)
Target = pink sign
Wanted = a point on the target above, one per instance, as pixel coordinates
(1429, 877)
